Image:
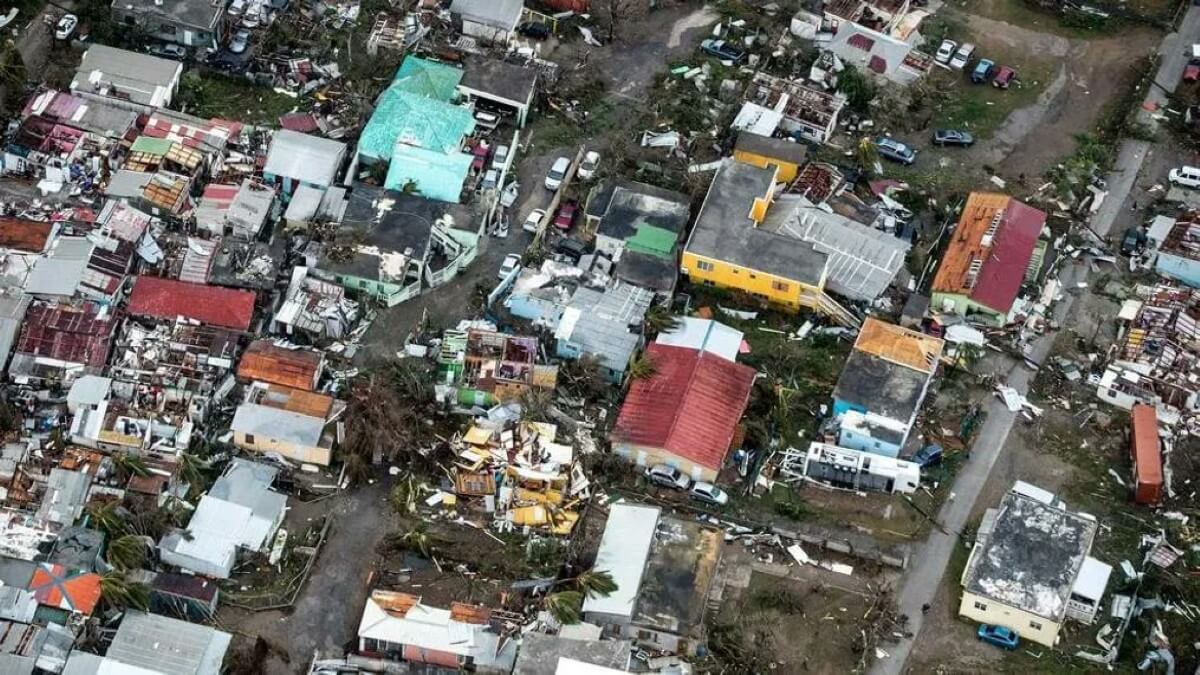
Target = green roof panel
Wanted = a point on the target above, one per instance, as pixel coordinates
(652, 240)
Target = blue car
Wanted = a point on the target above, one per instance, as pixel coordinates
(983, 71)
(722, 50)
(999, 636)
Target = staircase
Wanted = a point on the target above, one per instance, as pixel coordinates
(830, 308)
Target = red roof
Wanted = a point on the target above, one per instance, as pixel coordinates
(690, 406)
(167, 299)
(1003, 271)
(65, 333)
(53, 587)
(1146, 453)
(296, 368)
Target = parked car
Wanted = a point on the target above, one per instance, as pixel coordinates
(1187, 176)
(1191, 72)
(566, 215)
(929, 455)
(499, 156)
(1134, 239)
(486, 121)
(707, 492)
(962, 56)
(999, 636)
(983, 71)
(534, 220)
(946, 51)
(512, 261)
(668, 476)
(953, 137)
(491, 180)
(557, 173)
(722, 50)
(66, 25)
(534, 30)
(890, 148)
(166, 51)
(591, 162)
(571, 249)
(240, 41)
(236, 8)
(1004, 77)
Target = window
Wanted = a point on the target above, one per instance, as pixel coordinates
(250, 438)
(981, 606)
(1035, 625)
(781, 286)
(752, 276)
(704, 266)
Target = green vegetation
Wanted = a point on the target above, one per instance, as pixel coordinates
(212, 95)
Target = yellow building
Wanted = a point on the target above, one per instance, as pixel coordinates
(734, 246)
(764, 151)
(1033, 595)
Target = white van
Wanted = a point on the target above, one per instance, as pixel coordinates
(557, 173)
(962, 56)
(1187, 176)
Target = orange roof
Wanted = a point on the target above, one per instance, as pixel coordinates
(899, 345)
(53, 587)
(395, 604)
(295, 400)
(24, 235)
(477, 614)
(1146, 454)
(966, 241)
(266, 362)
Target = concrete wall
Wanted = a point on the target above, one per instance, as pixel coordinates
(1029, 626)
(788, 294)
(850, 438)
(309, 455)
(964, 306)
(786, 170)
(645, 456)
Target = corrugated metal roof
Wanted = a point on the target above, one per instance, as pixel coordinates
(600, 323)
(162, 644)
(308, 159)
(24, 235)
(624, 548)
(53, 586)
(74, 335)
(691, 406)
(1147, 454)
(899, 345)
(265, 362)
(168, 299)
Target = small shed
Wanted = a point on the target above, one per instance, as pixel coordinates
(1146, 454)
(488, 20)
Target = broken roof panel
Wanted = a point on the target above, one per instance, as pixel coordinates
(899, 345)
(69, 334)
(266, 362)
(19, 234)
(169, 299)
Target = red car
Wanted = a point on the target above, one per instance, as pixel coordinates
(1191, 72)
(480, 154)
(1004, 77)
(566, 215)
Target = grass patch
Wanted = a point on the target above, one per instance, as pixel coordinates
(211, 95)
(1028, 15)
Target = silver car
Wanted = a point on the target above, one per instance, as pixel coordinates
(668, 476)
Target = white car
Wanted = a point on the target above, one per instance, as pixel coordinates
(499, 156)
(587, 168)
(236, 8)
(66, 26)
(1187, 176)
(512, 262)
(946, 51)
(709, 493)
(534, 220)
(557, 173)
(962, 56)
(240, 41)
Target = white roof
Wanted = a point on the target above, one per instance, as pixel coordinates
(89, 390)
(624, 549)
(1092, 579)
(572, 667)
(757, 119)
(1160, 227)
(309, 159)
(161, 644)
(1034, 492)
(432, 628)
(281, 425)
(711, 336)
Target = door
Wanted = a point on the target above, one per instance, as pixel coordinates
(188, 37)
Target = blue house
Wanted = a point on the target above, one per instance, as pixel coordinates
(604, 324)
(296, 159)
(882, 386)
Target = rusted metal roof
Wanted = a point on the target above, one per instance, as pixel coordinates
(899, 345)
(24, 235)
(476, 614)
(266, 362)
(168, 299)
(294, 400)
(394, 603)
(65, 333)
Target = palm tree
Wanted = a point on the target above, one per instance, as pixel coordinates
(596, 583)
(357, 469)
(535, 405)
(660, 319)
(107, 516)
(565, 606)
(119, 592)
(127, 552)
(868, 155)
(128, 466)
(418, 539)
(190, 470)
(642, 367)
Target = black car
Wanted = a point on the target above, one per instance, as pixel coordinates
(953, 137)
(571, 248)
(534, 30)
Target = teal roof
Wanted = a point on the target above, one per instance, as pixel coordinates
(428, 78)
(436, 175)
(415, 120)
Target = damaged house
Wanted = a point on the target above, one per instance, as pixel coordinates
(488, 367)
(1179, 253)
(638, 227)
(171, 300)
(316, 309)
(101, 419)
(191, 23)
(295, 159)
(606, 325)
(128, 76)
(796, 109)
(882, 387)
(61, 342)
(294, 367)
(879, 36)
(664, 568)
(299, 425)
(1030, 568)
(995, 249)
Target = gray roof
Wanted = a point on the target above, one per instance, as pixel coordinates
(283, 425)
(61, 271)
(82, 663)
(648, 271)
(881, 386)
(12, 312)
(66, 493)
(250, 208)
(622, 204)
(499, 13)
(165, 645)
(725, 232)
(248, 484)
(134, 74)
(127, 184)
(599, 323)
(769, 146)
(540, 653)
(501, 79)
(863, 261)
(309, 159)
(1032, 556)
(682, 563)
(202, 14)
(77, 549)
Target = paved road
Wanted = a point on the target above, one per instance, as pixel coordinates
(928, 565)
